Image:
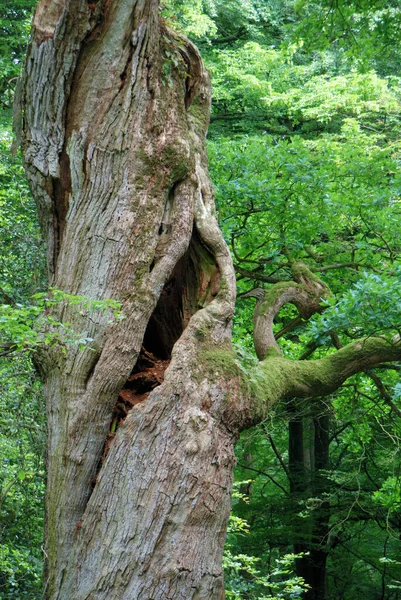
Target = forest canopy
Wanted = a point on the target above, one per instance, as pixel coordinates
(304, 151)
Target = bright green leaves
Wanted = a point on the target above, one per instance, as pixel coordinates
(369, 29)
(389, 495)
(189, 17)
(22, 440)
(279, 91)
(24, 327)
(333, 198)
(334, 194)
(372, 306)
(244, 579)
(328, 100)
(241, 79)
(22, 427)
(22, 268)
(15, 18)
(245, 576)
(225, 21)
(18, 329)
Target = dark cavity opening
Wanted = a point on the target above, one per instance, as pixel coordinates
(194, 283)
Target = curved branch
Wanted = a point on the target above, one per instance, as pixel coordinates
(346, 265)
(323, 376)
(277, 378)
(305, 292)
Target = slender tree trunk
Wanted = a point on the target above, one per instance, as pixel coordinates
(321, 488)
(299, 487)
(306, 461)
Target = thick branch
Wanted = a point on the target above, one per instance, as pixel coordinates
(278, 378)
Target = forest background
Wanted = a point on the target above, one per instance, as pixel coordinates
(304, 148)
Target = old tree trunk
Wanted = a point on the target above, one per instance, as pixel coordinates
(113, 112)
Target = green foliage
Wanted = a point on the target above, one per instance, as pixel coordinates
(244, 580)
(24, 327)
(22, 254)
(389, 494)
(371, 306)
(278, 91)
(22, 421)
(22, 439)
(15, 18)
(243, 573)
(189, 17)
(366, 28)
(226, 21)
(335, 197)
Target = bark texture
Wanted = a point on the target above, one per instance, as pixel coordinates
(112, 114)
(115, 110)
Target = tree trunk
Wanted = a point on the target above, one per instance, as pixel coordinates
(321, 487)
(115, 113)
(112, 112)
(307, 481)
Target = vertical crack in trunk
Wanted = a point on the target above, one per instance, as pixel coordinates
(195, 282)
(61, 193)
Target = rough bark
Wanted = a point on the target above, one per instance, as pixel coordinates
(113, 113)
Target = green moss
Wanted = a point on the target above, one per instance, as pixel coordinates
(272, 295)
(200, 115)
(220, 361)
(173, 157)
(273, 352)
(275, 378)
(178, 165)
(202, 332)
(301, 271)
(268, 381)
(224, 363)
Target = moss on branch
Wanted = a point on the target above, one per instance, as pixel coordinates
(277, 378)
